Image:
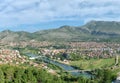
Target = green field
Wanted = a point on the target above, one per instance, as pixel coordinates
(93, 63)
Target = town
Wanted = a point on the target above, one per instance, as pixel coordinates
(50, 56)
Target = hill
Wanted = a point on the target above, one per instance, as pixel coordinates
(92, 31)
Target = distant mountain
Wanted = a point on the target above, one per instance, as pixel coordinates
(92, 31)
(103, 30)
(8, 36)
(103, 26)
(63, 33)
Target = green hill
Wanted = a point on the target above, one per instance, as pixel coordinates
(92, 31)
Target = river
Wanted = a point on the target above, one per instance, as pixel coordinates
(61, 65)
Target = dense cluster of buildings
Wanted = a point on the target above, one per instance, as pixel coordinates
(90, 49)
(11, 56)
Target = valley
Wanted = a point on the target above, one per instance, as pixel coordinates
(79, 60)
(55, 53)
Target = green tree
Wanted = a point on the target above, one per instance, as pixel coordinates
(107, 76)
(9, 74)
(2, 80)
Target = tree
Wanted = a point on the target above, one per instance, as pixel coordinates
(107, 76)
(2, 80)
(9, 73)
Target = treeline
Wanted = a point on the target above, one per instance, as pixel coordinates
(12, 74)
(17, 74)
(104, 75)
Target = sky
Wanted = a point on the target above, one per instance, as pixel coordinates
(33, 15)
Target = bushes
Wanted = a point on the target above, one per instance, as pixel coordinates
(104, 75)
(12, 74)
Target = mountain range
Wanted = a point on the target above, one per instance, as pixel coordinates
(91, 31)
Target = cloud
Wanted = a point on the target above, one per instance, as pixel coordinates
(17, 12)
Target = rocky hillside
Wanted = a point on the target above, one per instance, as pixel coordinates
(92, 31)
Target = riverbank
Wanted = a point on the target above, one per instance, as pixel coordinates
(65, 67)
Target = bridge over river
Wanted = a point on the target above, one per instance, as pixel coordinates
(65, 67)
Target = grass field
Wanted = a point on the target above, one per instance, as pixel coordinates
(93, 63)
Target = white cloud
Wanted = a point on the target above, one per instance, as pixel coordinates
(15, 12)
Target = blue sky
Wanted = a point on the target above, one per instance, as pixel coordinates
(33, 15)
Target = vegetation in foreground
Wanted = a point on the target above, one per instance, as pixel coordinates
(16, 74)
